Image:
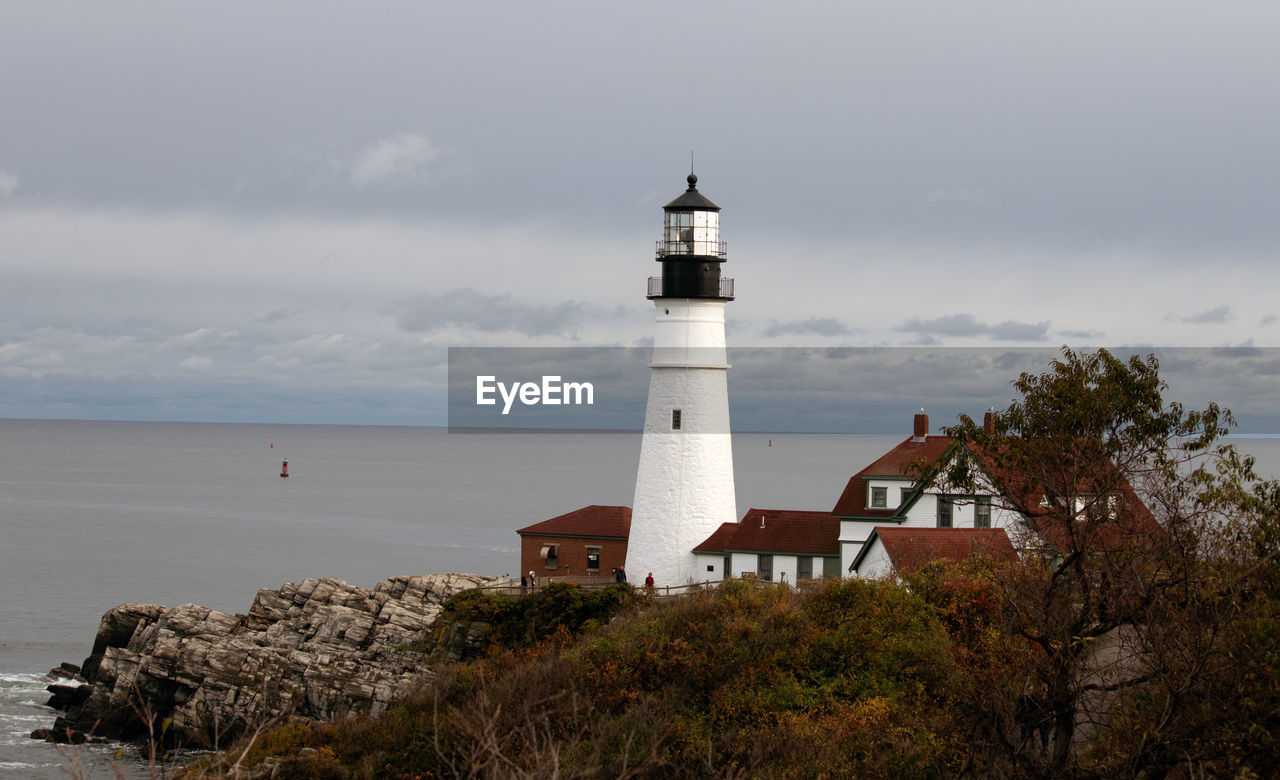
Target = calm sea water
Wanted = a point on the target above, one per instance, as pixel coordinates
(95, 514)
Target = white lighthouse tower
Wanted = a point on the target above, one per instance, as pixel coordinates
(684, 487)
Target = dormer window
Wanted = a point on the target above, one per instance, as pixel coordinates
(879, 497)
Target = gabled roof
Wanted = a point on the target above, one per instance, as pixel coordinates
(911, 548)
(613, 522)
(1131, 520)
(894, 463)
(1131, 524)
(777, 531)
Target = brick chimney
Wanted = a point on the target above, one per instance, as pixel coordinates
(989, 420)
(921, 431)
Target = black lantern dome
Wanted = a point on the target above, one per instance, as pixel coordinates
(690, 249)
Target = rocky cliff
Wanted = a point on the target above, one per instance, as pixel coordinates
(316, 650)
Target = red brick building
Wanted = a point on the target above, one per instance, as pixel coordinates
(585, 543)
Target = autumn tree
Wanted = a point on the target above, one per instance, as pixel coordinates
(1129, 506)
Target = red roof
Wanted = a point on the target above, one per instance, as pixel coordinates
(909, 548)
(596, 521)
(1130, 521)
(1131, 524)
(716, 542)
(777, 531)
(894, 463)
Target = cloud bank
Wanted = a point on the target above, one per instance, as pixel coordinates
(967, 325)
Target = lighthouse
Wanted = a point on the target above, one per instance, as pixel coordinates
(684, 485)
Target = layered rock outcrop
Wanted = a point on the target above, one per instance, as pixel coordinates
(316, 650)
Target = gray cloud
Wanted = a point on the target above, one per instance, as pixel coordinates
(819, 326)
(1268, 320)
(469, 309)
(279, 315)
(966, 325)
(8, 184)
(1214, 316)
(402, 161)
(1244, 350)
(949, 325)
(1009, 330)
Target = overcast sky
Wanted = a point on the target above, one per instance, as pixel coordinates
(288, 211)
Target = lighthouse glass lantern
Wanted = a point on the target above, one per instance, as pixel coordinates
(692, 233)
(691, 250)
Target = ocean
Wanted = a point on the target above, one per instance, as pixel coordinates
(95, 514)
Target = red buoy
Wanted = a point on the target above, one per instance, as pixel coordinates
(284, 469)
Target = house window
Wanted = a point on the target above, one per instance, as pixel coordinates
(831, 567)
(902, 495)
(946, 508)
(982, 512)
(593, 560)
(549, 554)
(675, 419)
(804, 568)
(764, 567)
(879, 497)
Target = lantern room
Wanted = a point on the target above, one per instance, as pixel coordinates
(690, 249)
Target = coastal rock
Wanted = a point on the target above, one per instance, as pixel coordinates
(314, 650)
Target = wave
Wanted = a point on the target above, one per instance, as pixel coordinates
(25, 679)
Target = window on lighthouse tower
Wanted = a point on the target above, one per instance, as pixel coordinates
(675, 419)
